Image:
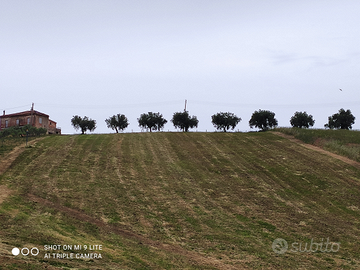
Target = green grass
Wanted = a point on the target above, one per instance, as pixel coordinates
(342, 142)
(181, 201)
(7, 144)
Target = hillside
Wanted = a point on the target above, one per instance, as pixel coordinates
(178, 201)
(338, 141)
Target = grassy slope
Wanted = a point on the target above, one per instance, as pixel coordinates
(7, 144)
(342, 142)
(214, 199)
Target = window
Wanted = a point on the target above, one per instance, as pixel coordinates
(40, 120)
(6, 123)
(28, 121)
(17, 122)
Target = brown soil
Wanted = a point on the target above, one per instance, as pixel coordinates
(4, 193)
(318, 149)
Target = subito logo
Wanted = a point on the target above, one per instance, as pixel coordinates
(25, 251)
(280, 246)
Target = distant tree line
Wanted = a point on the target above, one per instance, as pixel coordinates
(261, 119)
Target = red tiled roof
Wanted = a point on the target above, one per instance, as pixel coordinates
(25, 113)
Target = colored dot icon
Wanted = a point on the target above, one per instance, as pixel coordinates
(34, 251)
(15, 251)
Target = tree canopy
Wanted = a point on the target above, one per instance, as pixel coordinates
(83, 124)
(302, 119)
(152, 121)
(184, 121)
(117, 122)
(263, 120)
(225, 120)
(341, 120)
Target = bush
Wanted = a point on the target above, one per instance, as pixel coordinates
(21, 131)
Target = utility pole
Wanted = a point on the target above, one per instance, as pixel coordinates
(27, 136)
(185, 105)
(32, 112)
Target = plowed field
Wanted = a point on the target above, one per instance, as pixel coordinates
(178, 201)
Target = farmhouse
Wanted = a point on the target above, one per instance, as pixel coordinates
(32, 118)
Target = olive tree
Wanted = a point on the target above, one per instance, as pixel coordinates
(152, 121)
(84, 123)
(341, 120)
(225, 120)
(184, 121)
(302, 119)
(263, 120)
(117, 122)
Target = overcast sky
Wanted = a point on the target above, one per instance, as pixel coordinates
(100, 58)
